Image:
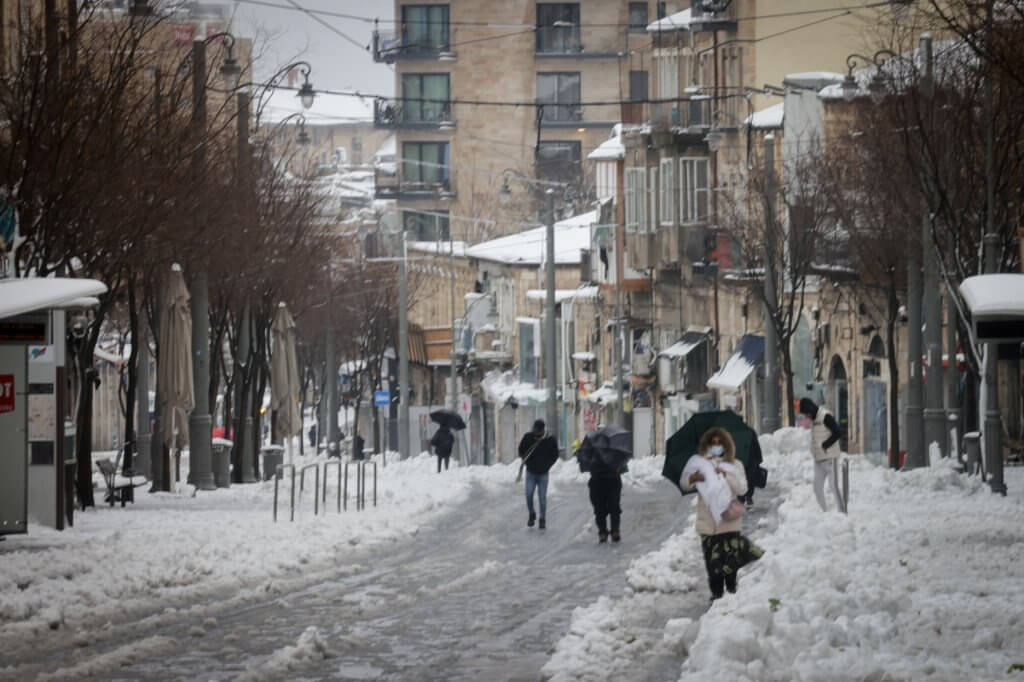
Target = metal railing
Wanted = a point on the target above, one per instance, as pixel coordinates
(320, 491)
(411, 113)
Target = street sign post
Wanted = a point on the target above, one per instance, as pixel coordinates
(381, 398)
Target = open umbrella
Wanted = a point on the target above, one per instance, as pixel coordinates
(610, 446)
(284, 375)
(174, 369)
(683, 443)
(449, 418)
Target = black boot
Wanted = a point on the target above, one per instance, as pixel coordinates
(530, 521)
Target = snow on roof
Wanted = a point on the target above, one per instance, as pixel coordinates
(812, 79)
(611, 149)
(740, 364)
(442, 248)
(327, 109)
(606, 395)
(500, 387)
(563, 294)
(951, 57)
(389, 147)
(26, 294)
(572, 236)
(997, 294)
(680, 21)
(767, 118)
(584, 356)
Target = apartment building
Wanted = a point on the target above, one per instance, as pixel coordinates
(501, 94)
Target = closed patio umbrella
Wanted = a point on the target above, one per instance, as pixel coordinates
(284, 376)
(174, 368)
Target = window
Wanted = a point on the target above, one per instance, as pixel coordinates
(666, 200)
(558, 27)
(559, 161)
(562, 90)
(667, 61)
(425, 163)
(638, 17)
(426, 97)
(652, 199)
(425, 28)
(426, 226)
(638, 86)
(636, 199)
(661, 10)
(529, 349)
(693, 190)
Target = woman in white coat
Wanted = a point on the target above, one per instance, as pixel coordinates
(725, 549)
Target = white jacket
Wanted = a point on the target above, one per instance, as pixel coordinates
(705, 521)
(820, 434)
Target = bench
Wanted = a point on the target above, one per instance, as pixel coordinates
(119, 488)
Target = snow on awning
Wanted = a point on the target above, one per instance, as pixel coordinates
(26, 294)
(769, 118)
(606, 395)
(748, 355)
(996, 294)
(683, 346)
(680, 21)
(584, 356)
(562, 294)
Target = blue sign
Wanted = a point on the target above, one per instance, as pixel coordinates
(381, 398)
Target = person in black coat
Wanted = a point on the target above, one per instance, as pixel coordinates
(605, 486)
(539, 452)
(756, 475)
(442, 443)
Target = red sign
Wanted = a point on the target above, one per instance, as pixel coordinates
(182, 34)
(6, 393)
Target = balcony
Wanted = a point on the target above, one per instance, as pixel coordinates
(392, 46)
(692, 114)
(412, 114)
(713, 15)
(393, 186)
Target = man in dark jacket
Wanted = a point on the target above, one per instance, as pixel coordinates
(539, 451)
(442, 443)
(605, 486)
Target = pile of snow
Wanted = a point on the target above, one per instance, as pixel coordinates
(914, 583)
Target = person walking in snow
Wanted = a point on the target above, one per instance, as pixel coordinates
(605, 486)
(442, 443)
(539, 452)
(825, 435)
(725, 549)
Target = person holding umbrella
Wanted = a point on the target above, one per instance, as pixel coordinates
(713, 472)
(604, 454)
(442, 443)
(539, 451)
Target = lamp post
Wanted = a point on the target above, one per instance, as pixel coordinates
(921, 296)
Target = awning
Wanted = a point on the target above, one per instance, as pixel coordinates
(683, 346)
(748, 355)
(25, 294)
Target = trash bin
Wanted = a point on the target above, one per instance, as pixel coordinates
(222, 462)
(972, 444)
(270, 457)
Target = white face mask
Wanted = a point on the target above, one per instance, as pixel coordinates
(717, 450)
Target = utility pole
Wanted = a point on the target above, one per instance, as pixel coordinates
(244, 442)
(453, 400)
(403, 352)
(934, 414)
(142, 425)
(200, 436)
(993, 432)
(617, 350)
(550, 343)
(770, 418)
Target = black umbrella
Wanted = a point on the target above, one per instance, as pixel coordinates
(610, 446)
(684, 442)
(449, 418)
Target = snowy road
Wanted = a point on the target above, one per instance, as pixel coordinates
(475, 596)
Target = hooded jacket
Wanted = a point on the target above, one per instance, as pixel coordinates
(705, 523)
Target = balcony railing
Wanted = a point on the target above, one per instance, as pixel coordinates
(598, 42)
(394, 113)
(390, 46)
(394, 186)
(689, 114)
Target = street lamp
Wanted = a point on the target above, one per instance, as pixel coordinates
(877, 86)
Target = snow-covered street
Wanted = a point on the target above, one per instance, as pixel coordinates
(443, 580)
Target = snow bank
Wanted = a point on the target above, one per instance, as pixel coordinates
(916, 582)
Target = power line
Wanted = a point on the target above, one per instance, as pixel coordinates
(313, 15)
(503, 25)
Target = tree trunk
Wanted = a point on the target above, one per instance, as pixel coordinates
(83, 434)
(787, 367)
(130, 433)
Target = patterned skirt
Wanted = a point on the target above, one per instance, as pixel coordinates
(726, 553)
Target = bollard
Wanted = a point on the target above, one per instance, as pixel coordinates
(278, 474)
(316, 484)
(846, 486)
(327, 465)
(972, 444)
(344, 498)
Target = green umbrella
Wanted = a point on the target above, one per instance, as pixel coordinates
(683, 443)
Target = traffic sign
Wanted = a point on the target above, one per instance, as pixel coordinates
(381, 398)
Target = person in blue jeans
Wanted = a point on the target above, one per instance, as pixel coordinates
(539, 452)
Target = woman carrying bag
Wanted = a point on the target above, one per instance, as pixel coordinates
(720, 480)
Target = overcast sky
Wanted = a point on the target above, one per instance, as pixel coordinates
(285, 35)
